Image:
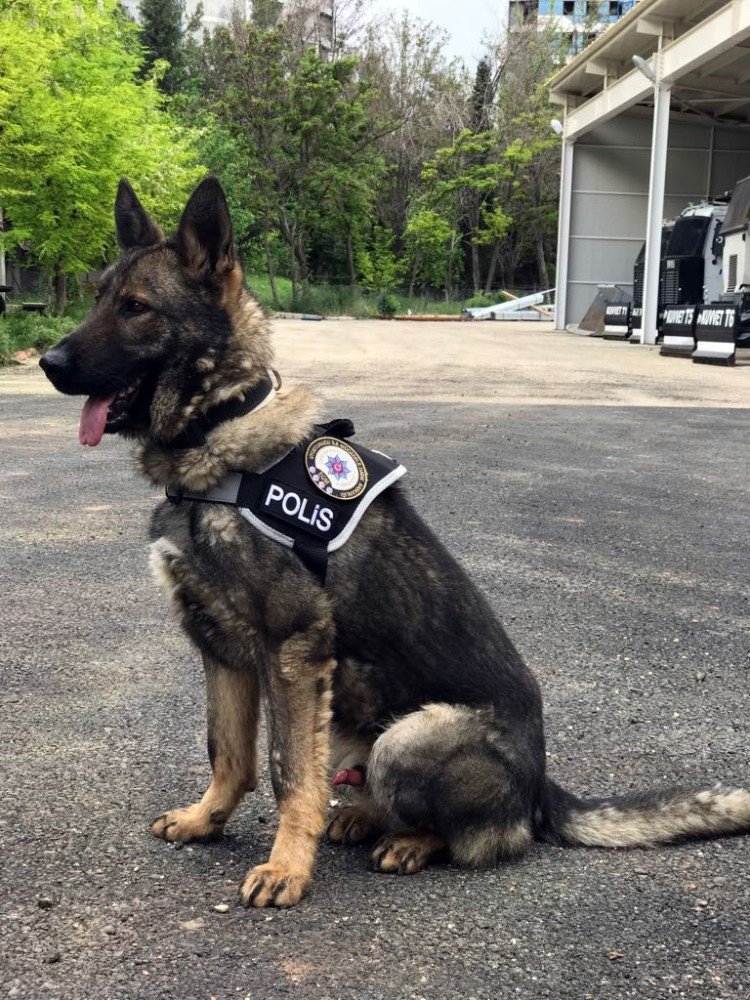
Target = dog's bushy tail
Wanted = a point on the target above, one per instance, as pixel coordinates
(645, 819)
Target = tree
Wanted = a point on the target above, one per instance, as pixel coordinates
(303, 135)
(430, 245)
(265, 13)
(75, 117)
(378, 265)
(529, 190)
(383, 158)
(462, 182)
(482, 97)
(161, 35)
(420, 93)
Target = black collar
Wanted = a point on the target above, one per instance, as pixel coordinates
(194, 435)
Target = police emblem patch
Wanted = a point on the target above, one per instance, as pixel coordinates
(336, 468)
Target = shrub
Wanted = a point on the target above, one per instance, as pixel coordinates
(482, 301)
(21, 330)
(388, 304)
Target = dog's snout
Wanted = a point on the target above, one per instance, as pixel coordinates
(56, 360)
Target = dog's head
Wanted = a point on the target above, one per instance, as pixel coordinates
(164, 326)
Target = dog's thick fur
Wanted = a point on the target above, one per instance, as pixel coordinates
(397, 664)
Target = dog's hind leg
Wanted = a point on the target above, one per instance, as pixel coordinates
(448, 776)
(232, 702)
(356, 819)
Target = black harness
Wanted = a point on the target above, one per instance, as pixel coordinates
(310, 499)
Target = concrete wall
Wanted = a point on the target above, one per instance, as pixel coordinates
(610, 194)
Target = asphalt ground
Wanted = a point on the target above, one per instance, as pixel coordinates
(612, 539)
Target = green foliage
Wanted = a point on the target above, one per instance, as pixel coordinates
(483, 301)
(388, 304)
(389, 170)
(482, 97)
(377, 264)
(293, 136)
(21, 330)
(265, 13)
(344, 300)
(430, 244)
(74, 117)
(161, 36)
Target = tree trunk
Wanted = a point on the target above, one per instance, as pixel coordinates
(476, 278)
(350, 260)
(304, 268)
(489, 283)
(271, 268)
(290, 237)
(60, 290)
(295, 282)
(542, 262)
(510, 266)
(413, 276)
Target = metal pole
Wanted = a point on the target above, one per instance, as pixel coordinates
(710, 177)
(563, 235)
(656, 187)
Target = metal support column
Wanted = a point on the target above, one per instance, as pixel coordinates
(657, 179)
(563, 235)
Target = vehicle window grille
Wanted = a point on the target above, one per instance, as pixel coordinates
(732, 278)
(671, 288)
(638, 283)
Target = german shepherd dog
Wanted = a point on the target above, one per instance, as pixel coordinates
(394, 670)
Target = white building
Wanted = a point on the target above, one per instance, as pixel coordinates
(575, 22)
(640, 144)
(217, 13)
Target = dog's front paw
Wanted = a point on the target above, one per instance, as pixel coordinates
(271, 885)
(349, 825)
(192, 823)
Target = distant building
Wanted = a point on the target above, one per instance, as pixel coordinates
(316, 16)
(577, 22)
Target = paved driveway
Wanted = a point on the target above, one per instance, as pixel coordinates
(598, 494)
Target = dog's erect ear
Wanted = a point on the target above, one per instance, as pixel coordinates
(204, 237)
(132, 222)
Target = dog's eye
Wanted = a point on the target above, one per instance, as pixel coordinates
(136, 307)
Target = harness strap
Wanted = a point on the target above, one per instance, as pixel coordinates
(243, 489)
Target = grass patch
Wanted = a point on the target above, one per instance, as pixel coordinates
(343, 300)
(21, 330)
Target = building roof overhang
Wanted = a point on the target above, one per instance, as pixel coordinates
(699, 48)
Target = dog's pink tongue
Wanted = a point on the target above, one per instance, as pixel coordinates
(93, 420)
(349, 776)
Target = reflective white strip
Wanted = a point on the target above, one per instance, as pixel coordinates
(616, 329)
(672, 340)
(264, 529)
(712, 347)
(364, 503)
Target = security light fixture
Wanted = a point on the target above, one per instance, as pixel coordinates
(646, 68)
(557, 126)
